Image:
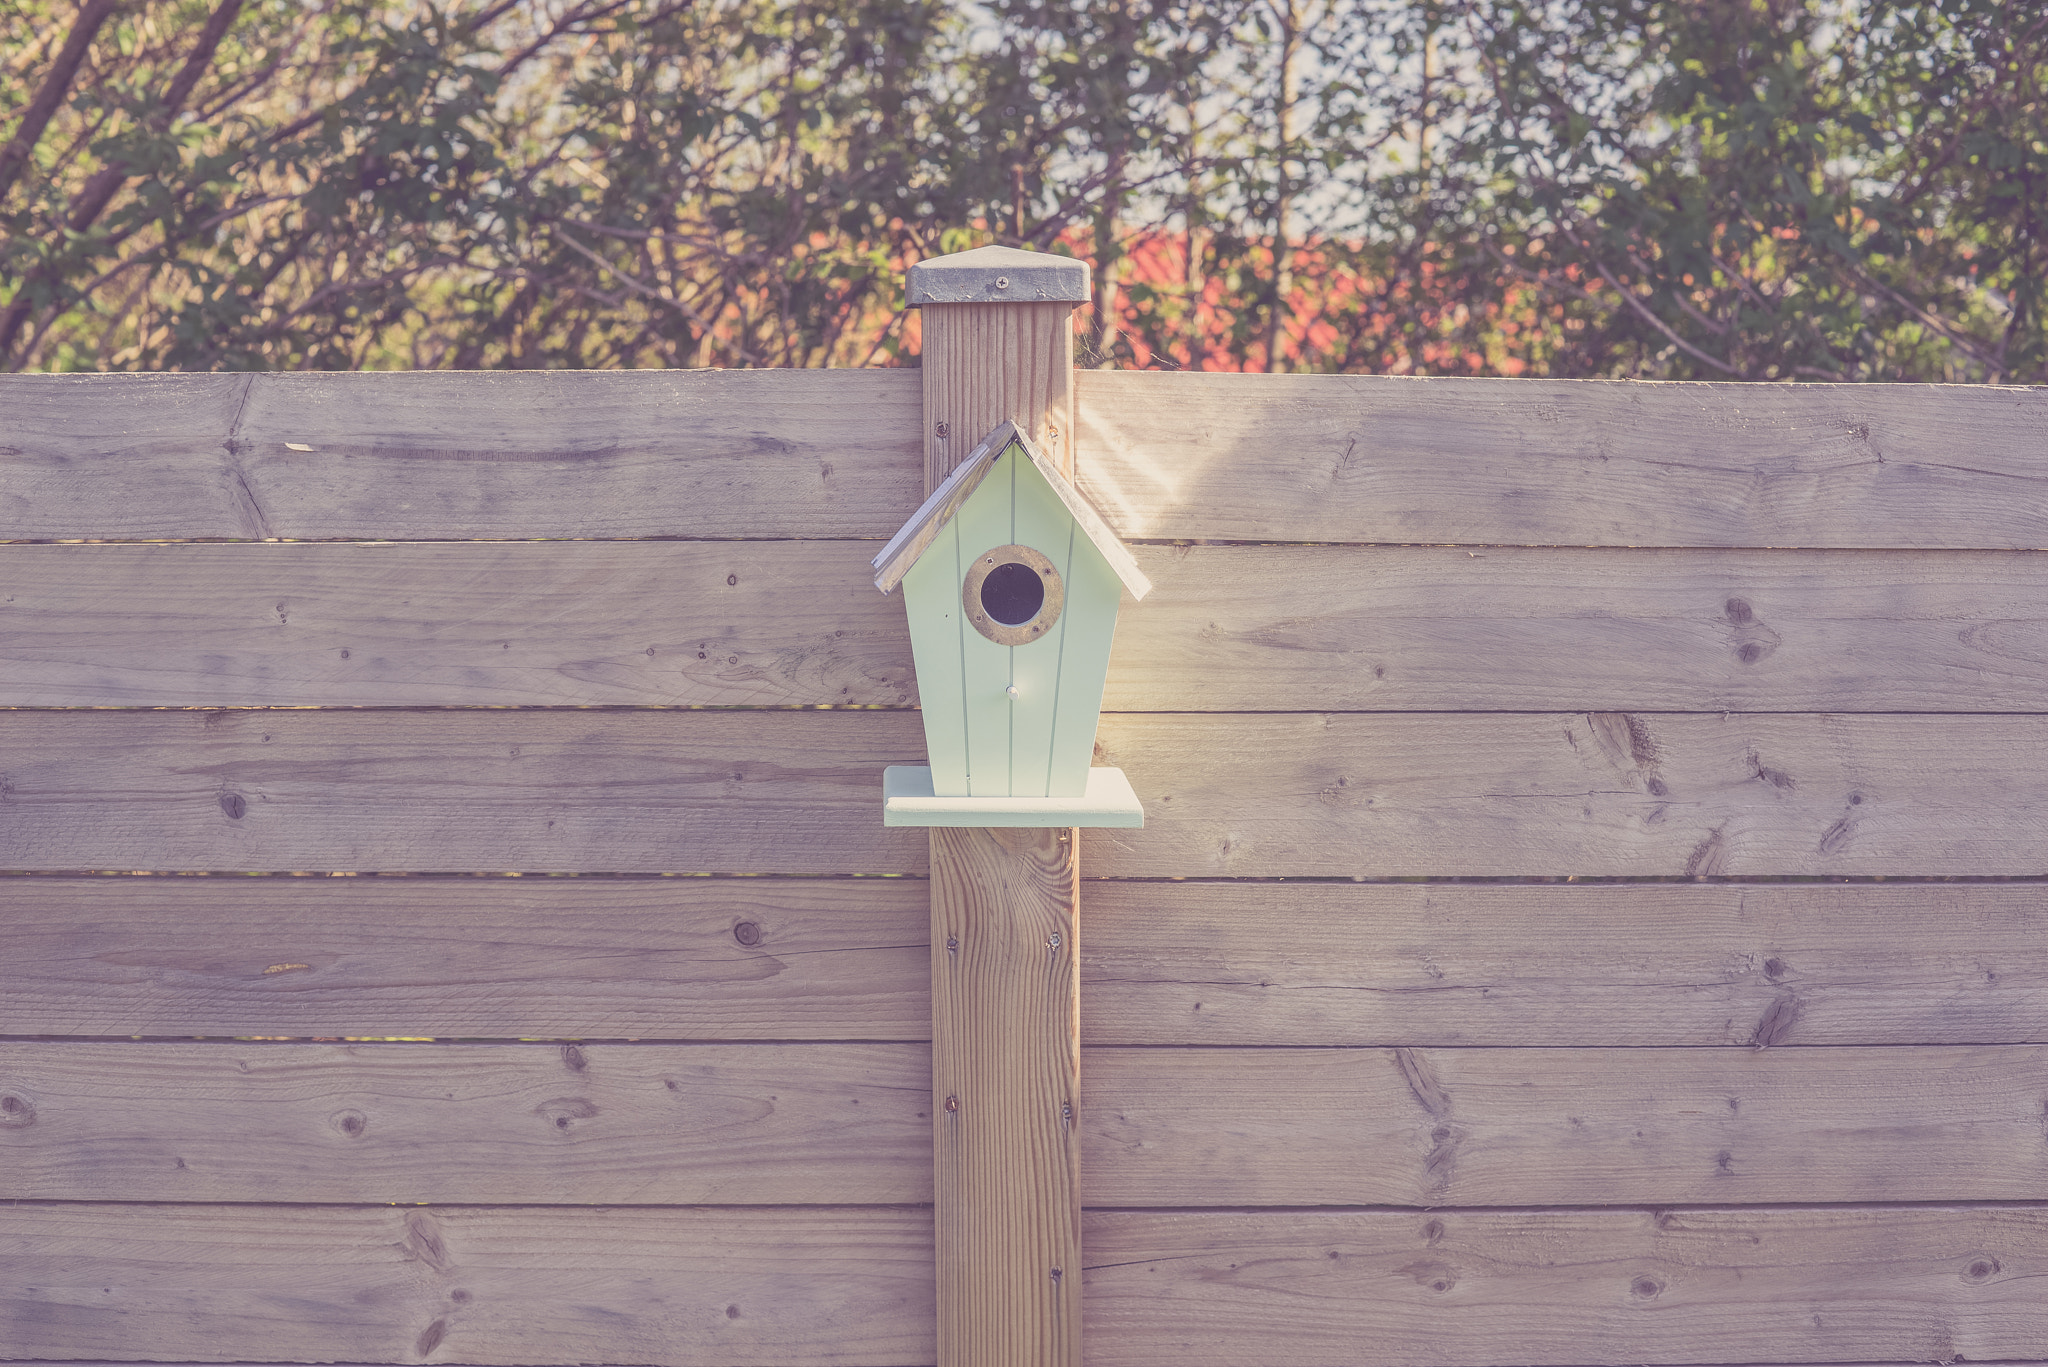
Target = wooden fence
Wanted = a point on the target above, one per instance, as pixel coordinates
(1588, 911)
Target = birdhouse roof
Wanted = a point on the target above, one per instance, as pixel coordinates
(925, 524)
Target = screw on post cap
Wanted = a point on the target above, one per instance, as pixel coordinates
(998, 274)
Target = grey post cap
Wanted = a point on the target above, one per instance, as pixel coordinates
(996, 275)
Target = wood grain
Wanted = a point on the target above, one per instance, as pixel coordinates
(1162, 962)
(435, 455)
(506, 958)
(1367, 1289)
(1659, 964)
(1229, 628)
(983, 364)
(1005, 1092)
(1165, 456)
(1539, 1127)
(678, 1124)
(1418, 628)
(524, 623)
(795, 792)
(766, 1287)
(765, 1125)
(1233, 794)
(1005, 984)
(1601, 794)
(1364, 458)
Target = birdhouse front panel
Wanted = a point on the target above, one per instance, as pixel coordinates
(1012, 613)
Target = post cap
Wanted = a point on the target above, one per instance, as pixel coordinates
(998, 275)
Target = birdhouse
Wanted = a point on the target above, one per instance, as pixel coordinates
(1011, 581)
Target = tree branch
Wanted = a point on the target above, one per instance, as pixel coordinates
(15, 153)
(648, 291)
(1629, 297)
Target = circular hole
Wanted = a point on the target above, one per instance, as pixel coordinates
(1012, 594)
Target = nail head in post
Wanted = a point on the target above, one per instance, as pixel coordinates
(998, 274)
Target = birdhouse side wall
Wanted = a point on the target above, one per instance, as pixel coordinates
(931, 600)
(981, 741)
(1093, 595)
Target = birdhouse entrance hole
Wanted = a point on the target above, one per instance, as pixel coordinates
(1013, 595)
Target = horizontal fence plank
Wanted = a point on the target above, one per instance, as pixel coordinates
(1656, 964)
(677, 1124)
(1372, 1289)
(1562, 462)
(451, 624)
(1534, 1127)
(1349, 458)
(435, 455)
(791, 792)
(1231, 794)
(1229, 628)
(848, 1287)
(851, 1124)
(1605, 794)
(1162, 962)
(1340, 628)
(508, 958)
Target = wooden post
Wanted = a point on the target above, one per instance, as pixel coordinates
(987, 362)
(1006, 1055)
(1006, 1070)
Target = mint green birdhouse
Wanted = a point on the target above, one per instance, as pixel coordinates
(1011, 582)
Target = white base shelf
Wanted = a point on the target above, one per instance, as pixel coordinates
(908, 800)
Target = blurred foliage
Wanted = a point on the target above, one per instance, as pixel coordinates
(1759, 189)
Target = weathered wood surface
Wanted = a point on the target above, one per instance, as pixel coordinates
(740, 1288)
(1563, 462)
(1166, 456)
(506, 958)
(450, 624)
(432, 455)
(1162, 962)
(985, 364)
(792, 1124)
(1660, 964)
(1601, 794)
(536, 1124)
(1229, 628)
(1005, 1076)
(455, 791)
(1370, 1289)
(1005, 967)
(1235, 794)
(1538, 1127)
(1329, 628)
